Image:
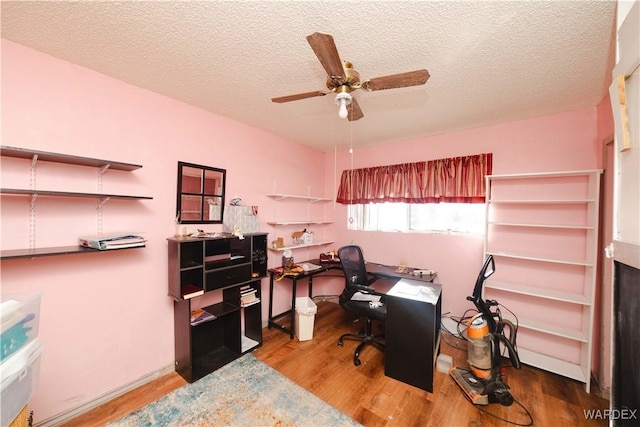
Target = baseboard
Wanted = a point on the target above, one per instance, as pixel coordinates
(70, 414)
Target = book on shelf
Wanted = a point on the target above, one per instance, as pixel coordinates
(245, 302)
(190, 291)
(112, 241)
(250, 294)
(249, 298)
(249, 303)
(200, 315)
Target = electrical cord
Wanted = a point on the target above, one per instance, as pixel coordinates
(526, 411)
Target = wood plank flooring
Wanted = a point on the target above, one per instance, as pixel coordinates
(368, 396)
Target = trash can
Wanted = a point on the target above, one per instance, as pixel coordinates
(306, 311)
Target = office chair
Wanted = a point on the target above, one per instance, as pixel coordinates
(357, 280)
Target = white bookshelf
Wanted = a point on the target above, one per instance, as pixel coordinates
(542, 229)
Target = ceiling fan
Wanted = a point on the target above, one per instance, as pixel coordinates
(343, 79)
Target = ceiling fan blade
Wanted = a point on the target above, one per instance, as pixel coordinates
(298, 96)
(325, 49)
(394, 81)
(355, 113)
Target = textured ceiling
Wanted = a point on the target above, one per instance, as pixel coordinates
(490, 61)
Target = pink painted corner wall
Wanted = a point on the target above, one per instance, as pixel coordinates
(566, 141)
(106, 319)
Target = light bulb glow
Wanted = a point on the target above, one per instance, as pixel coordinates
(342, 111)
(343, 99)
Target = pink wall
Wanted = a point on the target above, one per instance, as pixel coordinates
(106, 319)
(564, 141)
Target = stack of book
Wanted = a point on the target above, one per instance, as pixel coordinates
(248, 296)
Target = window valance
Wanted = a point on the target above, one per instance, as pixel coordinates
(452, 180)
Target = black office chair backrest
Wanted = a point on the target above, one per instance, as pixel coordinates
(353, 266)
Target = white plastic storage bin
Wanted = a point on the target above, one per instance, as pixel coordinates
(19, 375)
(306, 311)
(20, 320)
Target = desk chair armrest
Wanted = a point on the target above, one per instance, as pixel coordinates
(364, 289)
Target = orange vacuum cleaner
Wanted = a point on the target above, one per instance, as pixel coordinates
(483, 381)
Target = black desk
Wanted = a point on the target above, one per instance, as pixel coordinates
(375, 269)
(412, 332)
(412, 326)
(273, 272)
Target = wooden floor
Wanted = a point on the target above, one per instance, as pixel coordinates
(371, 398)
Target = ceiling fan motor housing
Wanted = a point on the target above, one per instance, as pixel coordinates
(351, 78)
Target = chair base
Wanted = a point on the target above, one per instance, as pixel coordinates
(367, 337)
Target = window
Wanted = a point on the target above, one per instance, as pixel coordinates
(406, 217)
(434, 195)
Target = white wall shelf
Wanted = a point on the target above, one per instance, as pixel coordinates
(292, 210)
(539, 258)
(311, 199)
(284, 248)
(534, 291)
(564, 226)
(552, 364)
(543, 228)
(285, 223)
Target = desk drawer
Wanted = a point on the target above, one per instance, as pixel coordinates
(223, 277)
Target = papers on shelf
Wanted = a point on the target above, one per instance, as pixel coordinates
(307, 266)
(359, 296)
(105, 242)
(200, 315)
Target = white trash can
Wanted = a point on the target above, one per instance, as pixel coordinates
(306, 311)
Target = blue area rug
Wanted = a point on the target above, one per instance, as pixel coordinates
(246, 392)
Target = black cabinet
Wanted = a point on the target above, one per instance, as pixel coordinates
(225, 264)
(412, 330)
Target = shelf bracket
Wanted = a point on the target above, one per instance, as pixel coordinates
(103, 169)
(32, 172)
(32, 221)
(32, 203)
(101, 203)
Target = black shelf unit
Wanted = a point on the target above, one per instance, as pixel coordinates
(223, 263)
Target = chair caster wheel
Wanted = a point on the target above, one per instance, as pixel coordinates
(340, 344)
(356, 362)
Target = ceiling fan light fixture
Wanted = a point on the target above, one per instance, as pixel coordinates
(343, 98)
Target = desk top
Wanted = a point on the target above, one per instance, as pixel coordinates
(416, 290)
(373, 268)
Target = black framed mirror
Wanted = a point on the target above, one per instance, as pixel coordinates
(200, 194)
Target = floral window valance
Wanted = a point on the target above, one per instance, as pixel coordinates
(452, 180)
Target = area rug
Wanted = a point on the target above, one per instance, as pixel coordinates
(245, 392)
